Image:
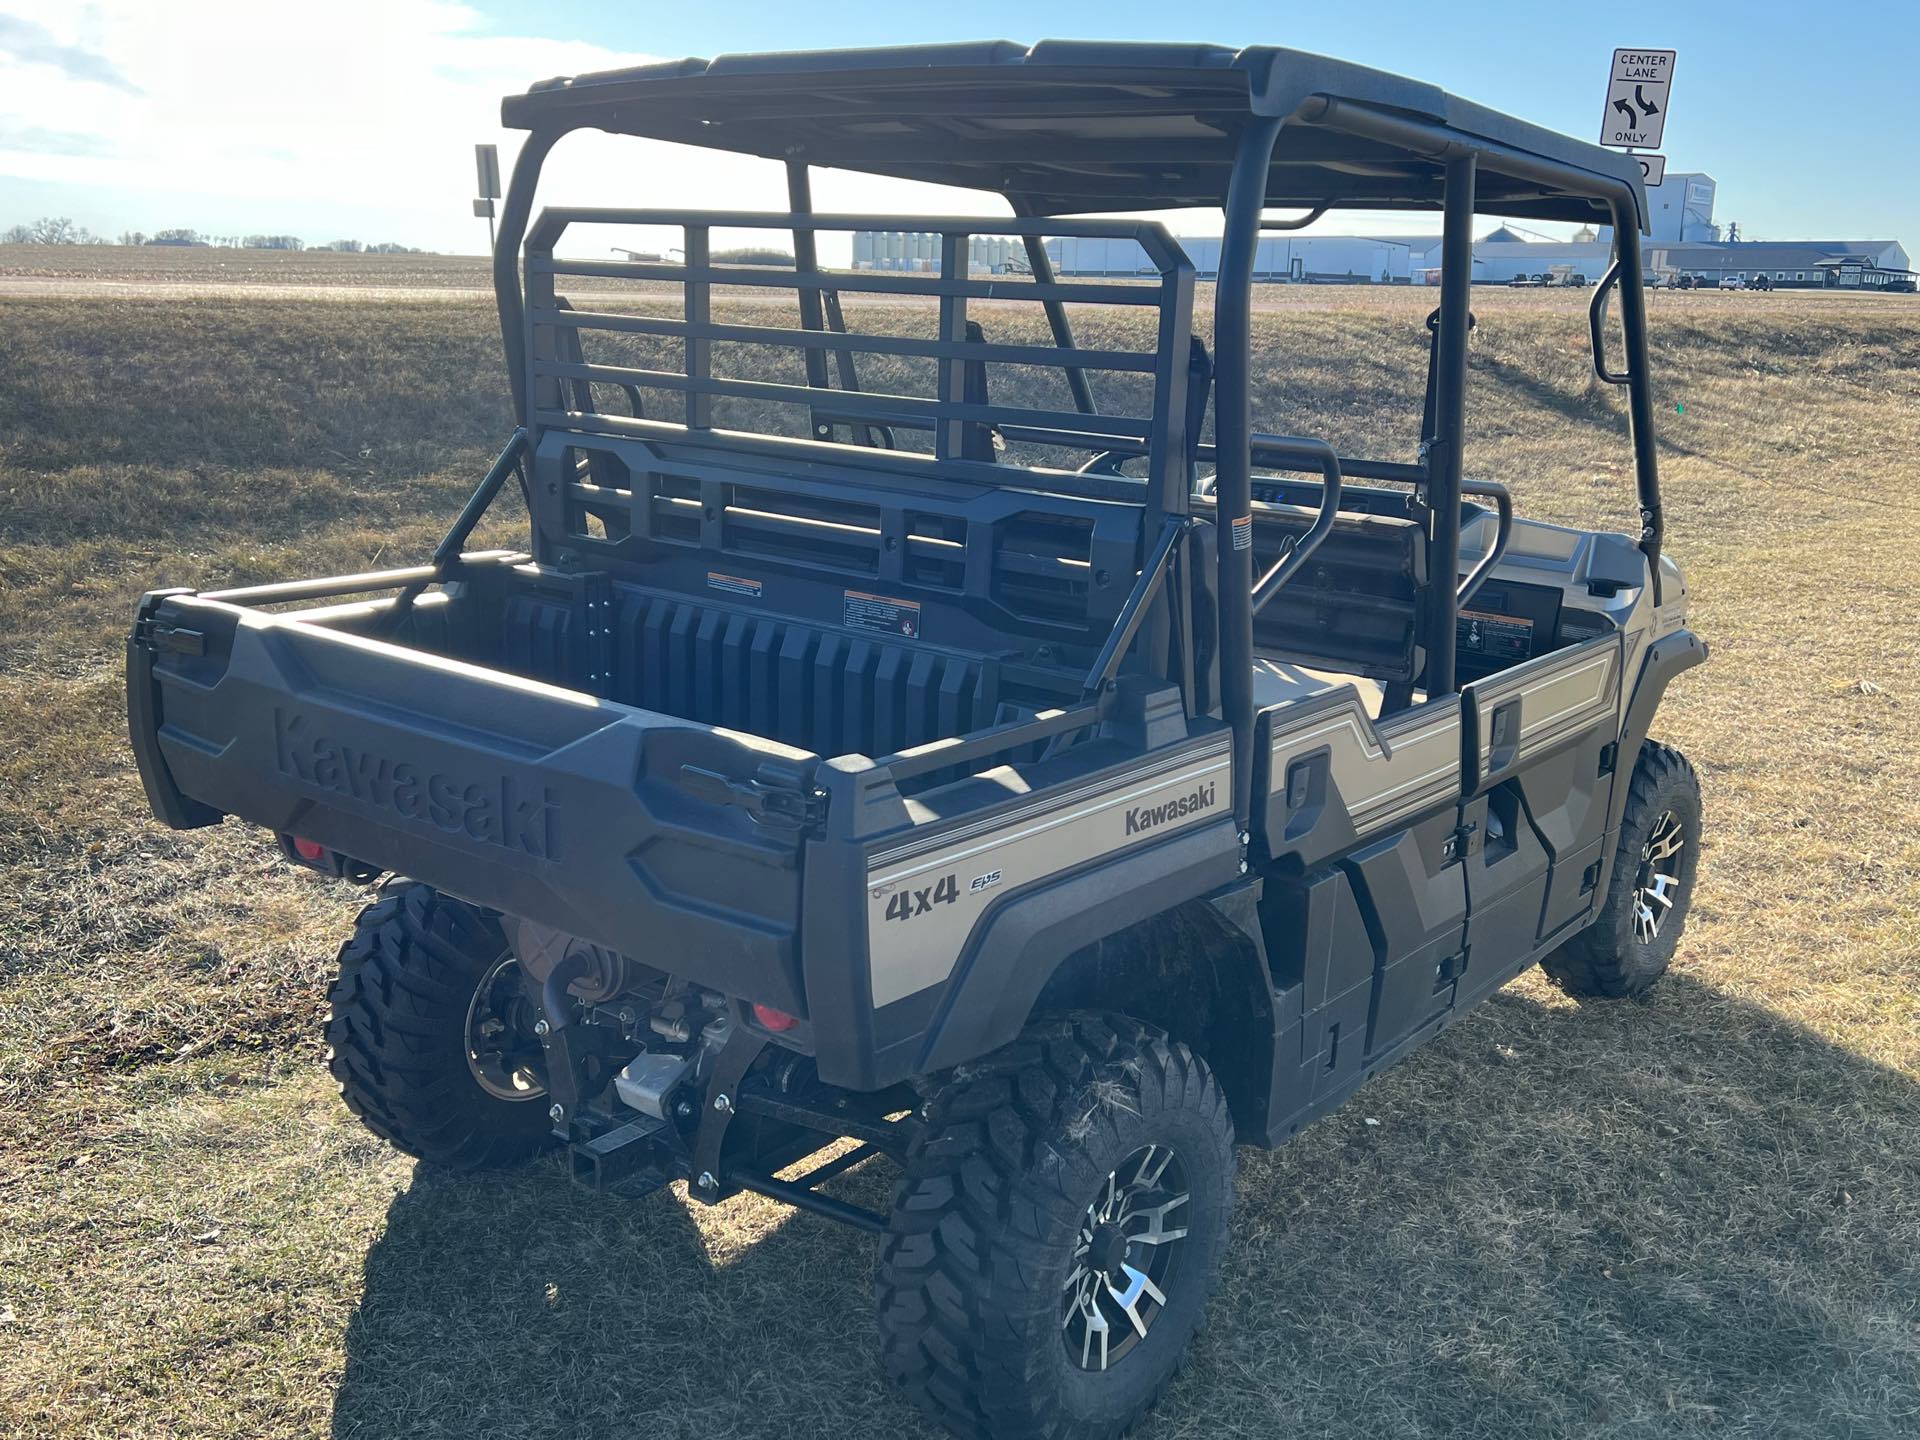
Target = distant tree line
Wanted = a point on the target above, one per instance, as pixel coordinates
(752, 255)
(62, 231)
(51, 231)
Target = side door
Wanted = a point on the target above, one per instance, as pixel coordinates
(1539, 763)
(1369, 811)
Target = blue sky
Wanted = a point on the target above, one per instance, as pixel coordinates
(357, 117)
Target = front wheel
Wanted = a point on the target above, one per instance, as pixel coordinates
(1057, 1233)
(1632, 940)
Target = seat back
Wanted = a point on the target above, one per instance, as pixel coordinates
(1358, 606)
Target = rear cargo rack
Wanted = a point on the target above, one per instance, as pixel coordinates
(563, 384)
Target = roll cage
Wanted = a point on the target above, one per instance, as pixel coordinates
(1062, 130)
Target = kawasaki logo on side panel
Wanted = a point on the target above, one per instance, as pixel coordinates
(495, 810)
(1150, 817)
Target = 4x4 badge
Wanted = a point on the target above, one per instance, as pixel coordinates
(911, 904)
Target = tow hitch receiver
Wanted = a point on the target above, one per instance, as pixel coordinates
(627, 1161)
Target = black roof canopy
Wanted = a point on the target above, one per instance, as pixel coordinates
(1078, 126)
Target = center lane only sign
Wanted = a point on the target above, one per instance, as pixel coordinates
(1637, 93)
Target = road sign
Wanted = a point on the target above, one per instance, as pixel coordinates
(486, 159)
(1653, 168)
(1637, 91)
(483, 209)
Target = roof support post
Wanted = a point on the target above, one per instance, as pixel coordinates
(514, 215)
(1233, 442)
(1444, 454)
(1633, 328)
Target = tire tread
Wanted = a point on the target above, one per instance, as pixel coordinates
(978, 1209)
(1593, 963)
(398, 1008)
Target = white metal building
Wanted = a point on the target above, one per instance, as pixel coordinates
(1683, 237)
(920, 250)
(1680, 210)
(1307, 259)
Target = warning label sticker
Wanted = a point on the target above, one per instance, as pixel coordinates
(733, 584)
(884, 614)
(1241, 527)
(1505, 637)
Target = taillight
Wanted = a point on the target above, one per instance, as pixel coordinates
(315, 856)
(774, 1020)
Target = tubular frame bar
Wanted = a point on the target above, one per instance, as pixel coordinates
(1298, 222)
(840, 1164)
(1446, 448)
(1268, 452)
(801, 1198)
(816, 344)
(1438, 142)
(995, 739)
(806, 256)
(1126, 624)
(1153, 237)
(1296, 553)
(1503, 532)
(916, 465)
(1233, 443)
(1597, 324)
(282, 592)
(1041, 264)
(1633, 329)
(888, 1137)
(1087, 292)
(890, 409)
(446, 555)
(507, 294)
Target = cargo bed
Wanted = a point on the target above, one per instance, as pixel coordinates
(637, 769)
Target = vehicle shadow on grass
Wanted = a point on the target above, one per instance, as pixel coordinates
(1678, 1217)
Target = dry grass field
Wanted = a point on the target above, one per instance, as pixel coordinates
(1693, 1216)
(29, 269)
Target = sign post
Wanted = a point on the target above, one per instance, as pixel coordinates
(486, 160)
(1638, 88)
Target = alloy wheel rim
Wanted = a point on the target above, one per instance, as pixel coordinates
(1656, 887)
(1125, 1257)
(500, 1054)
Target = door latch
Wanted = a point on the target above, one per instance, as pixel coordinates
(778, 807)
(1464, 841)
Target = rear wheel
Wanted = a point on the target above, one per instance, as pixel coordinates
(1631, 943)
(1057, 1233)
(431, 1034)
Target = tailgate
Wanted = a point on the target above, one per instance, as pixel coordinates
(541, 802)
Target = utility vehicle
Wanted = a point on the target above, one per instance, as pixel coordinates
(932, 739)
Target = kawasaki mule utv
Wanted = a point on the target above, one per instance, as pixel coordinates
(918, 740)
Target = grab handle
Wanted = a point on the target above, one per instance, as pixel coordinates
(1503, 505)
(1596, 321)
(1295, 553)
